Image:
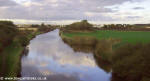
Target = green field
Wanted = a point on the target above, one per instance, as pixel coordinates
(125, 36)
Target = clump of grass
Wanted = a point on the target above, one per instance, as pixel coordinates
(103, 49)
(77, 40)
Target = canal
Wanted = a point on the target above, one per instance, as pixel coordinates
(50, 57)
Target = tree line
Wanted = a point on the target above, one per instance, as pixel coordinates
(118, 26)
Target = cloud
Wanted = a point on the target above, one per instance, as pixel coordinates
(138, 8)
(70, 10)
(133, 17)
(4, 3)
(51, 10)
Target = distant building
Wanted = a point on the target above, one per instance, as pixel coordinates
(142, 25)
(23, 25)
(61, 26)
(98, 25)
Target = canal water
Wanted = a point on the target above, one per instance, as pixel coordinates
(50, 57)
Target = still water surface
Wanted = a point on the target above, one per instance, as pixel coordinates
(50, 57)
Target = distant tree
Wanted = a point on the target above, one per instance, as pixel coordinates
(105, 26)
(35, 25)
(42, 24)
(83, 25)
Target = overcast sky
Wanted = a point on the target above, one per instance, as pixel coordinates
(68, 11)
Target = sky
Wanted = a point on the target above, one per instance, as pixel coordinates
(68, 11)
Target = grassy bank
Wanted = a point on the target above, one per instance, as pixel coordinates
(11, 57)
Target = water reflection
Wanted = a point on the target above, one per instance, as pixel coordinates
(49, 56)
